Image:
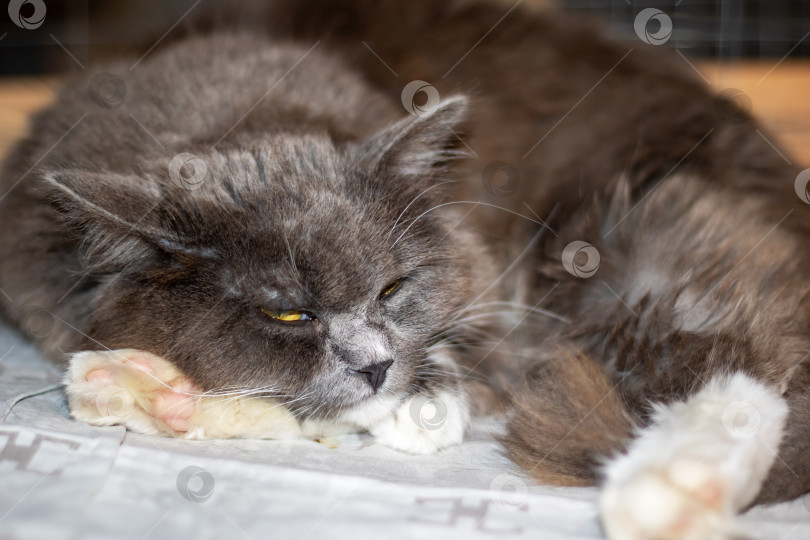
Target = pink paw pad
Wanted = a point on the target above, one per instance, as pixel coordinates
(100, 375)
(141, 364)
(175, 407)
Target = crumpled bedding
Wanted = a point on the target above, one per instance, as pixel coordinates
(63, 479)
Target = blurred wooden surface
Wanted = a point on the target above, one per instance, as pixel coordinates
(19, 97)
(778, 93)
(779, 96)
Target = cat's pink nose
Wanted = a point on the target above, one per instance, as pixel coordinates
(375, 373)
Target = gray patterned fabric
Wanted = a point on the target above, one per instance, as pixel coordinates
(63, 479)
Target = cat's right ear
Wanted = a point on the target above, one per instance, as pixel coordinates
(418, 147)
(115, 215)
(114, 199)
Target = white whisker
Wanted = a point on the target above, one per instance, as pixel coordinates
(460, 202)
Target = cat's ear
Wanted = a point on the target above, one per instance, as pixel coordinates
(114, 199)
(116, 215)
(420, 146)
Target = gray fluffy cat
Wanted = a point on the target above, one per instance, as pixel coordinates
(619, 258)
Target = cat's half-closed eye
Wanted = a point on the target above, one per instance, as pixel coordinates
(391, 288)
(289, 316)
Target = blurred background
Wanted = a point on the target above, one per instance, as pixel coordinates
(76, 31)
(717, 29)
(756, 51)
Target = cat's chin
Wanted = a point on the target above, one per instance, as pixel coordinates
(367, 412)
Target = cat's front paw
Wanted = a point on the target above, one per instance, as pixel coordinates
(133, 388)
(684, 500)
(424, 424)
(147, 394)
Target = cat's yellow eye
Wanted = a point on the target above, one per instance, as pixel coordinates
(390, 288)
(288, 316)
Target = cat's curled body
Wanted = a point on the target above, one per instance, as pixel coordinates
(307, 204)
(634, 376)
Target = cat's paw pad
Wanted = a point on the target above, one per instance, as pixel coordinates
(132, 388)
(686, 500)
(423, 424)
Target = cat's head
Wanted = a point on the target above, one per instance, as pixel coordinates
(324, 273)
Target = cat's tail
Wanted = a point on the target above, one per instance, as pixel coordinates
(567, 419)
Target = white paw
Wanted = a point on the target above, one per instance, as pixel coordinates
(685, 500)
(146, 394)
(132, 388)
(424, 425)
(700, 462)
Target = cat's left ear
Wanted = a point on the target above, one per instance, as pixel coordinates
(418, 146)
